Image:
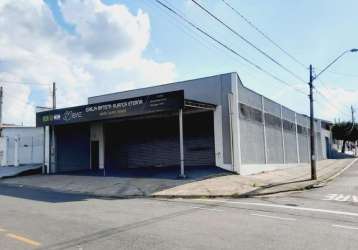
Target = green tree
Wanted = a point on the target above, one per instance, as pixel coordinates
(345, 131)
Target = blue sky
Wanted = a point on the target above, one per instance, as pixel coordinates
(313, 31)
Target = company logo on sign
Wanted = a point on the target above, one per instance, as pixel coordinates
(70, 115)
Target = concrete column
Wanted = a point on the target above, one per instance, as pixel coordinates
(233, 99)
(44, 150)
(5, 145)
(283, 137)
(47, 149)
(16, 151)
(101, 147)
(32, 149)
(181, 142)
(297, 142)
(53, 150)
(264, 124)
(218, 138)
(97, 134)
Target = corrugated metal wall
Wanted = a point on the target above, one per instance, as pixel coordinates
(155, 142)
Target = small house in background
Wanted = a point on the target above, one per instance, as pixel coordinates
(21, 145)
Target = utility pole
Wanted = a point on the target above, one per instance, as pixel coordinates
(313, 137)
(53, 95)
(313, 142)
(52, 130)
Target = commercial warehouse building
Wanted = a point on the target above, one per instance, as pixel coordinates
(212, 121)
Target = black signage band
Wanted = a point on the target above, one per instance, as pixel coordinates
(114, 109)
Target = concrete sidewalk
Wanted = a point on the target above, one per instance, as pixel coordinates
(205, 183)
(128, 183)
(236, 186)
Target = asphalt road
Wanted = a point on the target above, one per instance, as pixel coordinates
(324, 218)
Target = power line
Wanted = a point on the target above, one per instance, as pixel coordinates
(6, 96)
(247, 41)
(189, 32)
(9, 95)
(329, 101)
(23, 82)
(326, 87)
(264, 35)
(213, 46)
(342, 74)
(227, 47)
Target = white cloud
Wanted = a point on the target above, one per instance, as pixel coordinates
(336, 102)
(104, 54)
(330, 103)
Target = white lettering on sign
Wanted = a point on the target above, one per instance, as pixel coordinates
(114, 106)
(341, 197)
(70, 115)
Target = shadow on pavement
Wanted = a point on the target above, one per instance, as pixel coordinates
(39, 194)
(268, 187)
(166, 173)
(123, 183)
(338, 155)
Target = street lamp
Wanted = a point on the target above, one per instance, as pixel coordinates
(312, 134)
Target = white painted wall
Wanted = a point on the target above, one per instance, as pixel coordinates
(98, 135)
(325, 133)
(21, 146)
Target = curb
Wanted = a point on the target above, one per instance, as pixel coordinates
(23, 173)
(316, 184)
(331, 178)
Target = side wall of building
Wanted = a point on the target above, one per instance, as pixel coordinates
(273, 136)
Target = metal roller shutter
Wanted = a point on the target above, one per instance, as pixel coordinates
(73, 147)
(154, 142)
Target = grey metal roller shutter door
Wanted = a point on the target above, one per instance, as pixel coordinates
(155, 142)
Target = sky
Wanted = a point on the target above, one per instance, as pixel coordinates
(94, 47)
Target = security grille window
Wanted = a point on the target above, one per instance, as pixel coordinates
(272, 121)
(249, 113)
(288, 126)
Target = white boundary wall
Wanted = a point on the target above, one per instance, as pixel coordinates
(21, 146)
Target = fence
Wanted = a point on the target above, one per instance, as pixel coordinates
(21, 150)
